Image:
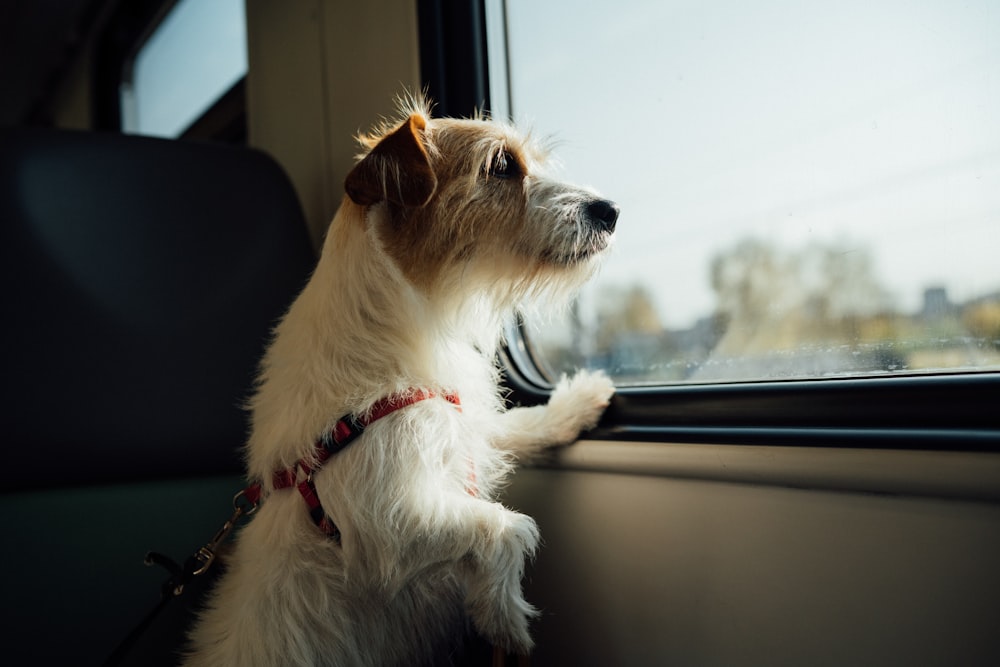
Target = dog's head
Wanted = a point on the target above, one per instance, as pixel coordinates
(468, 200)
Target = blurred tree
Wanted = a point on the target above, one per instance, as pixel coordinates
(983, 321)
(774, 300)
(625, 311)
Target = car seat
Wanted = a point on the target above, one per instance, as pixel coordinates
(141, 280)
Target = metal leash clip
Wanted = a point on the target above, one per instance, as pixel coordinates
(242, 506)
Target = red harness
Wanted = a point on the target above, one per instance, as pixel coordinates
(347, 429)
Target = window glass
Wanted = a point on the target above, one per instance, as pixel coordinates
(808, 189)
(196, 54)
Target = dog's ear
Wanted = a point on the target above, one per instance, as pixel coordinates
(398, 169)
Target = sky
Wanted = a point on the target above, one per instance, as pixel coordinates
(197, 53)
(867, 124)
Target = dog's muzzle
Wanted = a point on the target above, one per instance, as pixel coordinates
(602, 215)
(584, 227)
(599, 217)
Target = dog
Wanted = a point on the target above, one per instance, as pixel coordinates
(379, 436)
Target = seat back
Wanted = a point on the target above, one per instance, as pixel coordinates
(141, 280)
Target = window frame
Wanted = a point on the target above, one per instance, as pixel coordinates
(953, 411)
(124, 34)
(453, 55)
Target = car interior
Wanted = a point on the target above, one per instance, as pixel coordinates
(849, 520)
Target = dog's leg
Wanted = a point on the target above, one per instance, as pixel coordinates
(576, 405)
(496, 563)
(491, 543)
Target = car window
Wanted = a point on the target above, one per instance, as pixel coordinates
(808, 189)
(191, 59)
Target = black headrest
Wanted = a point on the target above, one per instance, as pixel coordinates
(141, 279)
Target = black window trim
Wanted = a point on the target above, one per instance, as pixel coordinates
(453, 57)
(956, 412)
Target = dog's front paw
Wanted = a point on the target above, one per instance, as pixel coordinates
(577, 404)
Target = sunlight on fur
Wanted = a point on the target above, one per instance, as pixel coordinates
(448, 228)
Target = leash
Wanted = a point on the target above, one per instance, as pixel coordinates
(197, 564)
(346, 430)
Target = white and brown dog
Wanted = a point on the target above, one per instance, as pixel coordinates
(376, 553)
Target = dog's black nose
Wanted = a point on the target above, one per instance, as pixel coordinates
(603, 214)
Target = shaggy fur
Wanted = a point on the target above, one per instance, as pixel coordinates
(448, 227)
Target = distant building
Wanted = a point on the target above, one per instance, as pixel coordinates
(936, 303)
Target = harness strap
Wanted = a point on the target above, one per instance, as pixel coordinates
(343, 433)
(346, 430)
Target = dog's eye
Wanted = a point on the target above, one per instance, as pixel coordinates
(504, 166)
